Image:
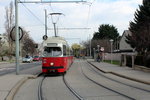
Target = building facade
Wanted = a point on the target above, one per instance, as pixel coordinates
(123, 45)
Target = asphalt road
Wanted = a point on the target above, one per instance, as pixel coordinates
(104, 87)
(24, 68)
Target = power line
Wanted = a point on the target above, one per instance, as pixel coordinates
(51, 7)
(89, 10)
(2, 27)
(72, 38)
(75, 1)
(33, 14)
(70, 28)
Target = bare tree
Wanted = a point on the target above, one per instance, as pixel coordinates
(9, 23)
(28, 44)
(3, 47)
(103, 43)
(94, 43)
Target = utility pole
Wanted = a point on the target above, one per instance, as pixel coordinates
(17, 37)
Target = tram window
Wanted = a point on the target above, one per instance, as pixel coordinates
(56, 51)
(68, 51)
(52, 51)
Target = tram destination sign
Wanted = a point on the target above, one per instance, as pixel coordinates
(51, 44)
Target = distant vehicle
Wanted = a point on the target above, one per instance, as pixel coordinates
(36, 58)
(28, 59)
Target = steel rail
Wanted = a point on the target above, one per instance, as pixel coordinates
(106, 87)
(116, 80)
(72, 90)
(40, 94)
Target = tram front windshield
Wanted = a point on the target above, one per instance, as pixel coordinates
(52, 52)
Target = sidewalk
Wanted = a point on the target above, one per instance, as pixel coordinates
(122, 71)
(9, 84)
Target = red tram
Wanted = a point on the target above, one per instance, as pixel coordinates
(56, 55)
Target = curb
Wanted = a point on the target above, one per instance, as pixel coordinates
(120, 75)
(130, 78)
(15, 89)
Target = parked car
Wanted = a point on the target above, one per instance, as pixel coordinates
(36, 58)
(28, 59)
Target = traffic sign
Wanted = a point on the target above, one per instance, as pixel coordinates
(13, 34)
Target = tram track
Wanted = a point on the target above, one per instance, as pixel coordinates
(97, 71)
(40, 92)
(72, 90)
(101, 85)
(76, 93)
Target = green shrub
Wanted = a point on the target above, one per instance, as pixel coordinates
(139, 60)
(142, 60)
(147, 61)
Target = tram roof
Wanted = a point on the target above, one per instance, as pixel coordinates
(56, 40)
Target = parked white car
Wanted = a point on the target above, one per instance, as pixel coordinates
(28, 59)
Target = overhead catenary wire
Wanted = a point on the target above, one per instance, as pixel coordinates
(89, 11)
(58, 18)
(51, 1)
(2, 27)
(87, 24)
(70, 28)
(33, 14)
(50, 6)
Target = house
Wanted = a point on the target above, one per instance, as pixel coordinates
(123, 45)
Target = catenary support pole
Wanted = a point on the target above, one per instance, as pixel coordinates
(17, 37)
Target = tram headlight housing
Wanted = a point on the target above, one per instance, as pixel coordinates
(51, 63)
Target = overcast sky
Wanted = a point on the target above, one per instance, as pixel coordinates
(76, 15)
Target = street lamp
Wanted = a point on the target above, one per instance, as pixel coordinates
(111, 42)
(90, 45)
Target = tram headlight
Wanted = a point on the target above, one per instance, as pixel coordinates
(51, 63)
